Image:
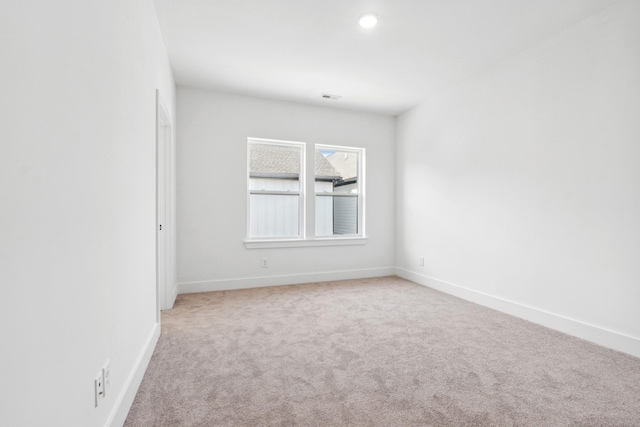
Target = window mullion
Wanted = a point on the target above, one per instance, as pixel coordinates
(309, 168)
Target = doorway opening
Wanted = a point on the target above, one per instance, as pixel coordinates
(165, 211)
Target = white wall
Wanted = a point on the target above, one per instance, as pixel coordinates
(521, 188)
(77, 203)
(212, 137)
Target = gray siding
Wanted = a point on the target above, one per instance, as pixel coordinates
(345, 215)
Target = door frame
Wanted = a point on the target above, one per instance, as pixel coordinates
(165, 209)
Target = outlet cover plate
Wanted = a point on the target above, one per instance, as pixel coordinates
(98, 383)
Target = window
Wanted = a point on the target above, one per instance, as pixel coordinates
(338, 190)
(275, 187)
(277, 207)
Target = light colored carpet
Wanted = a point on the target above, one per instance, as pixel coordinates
(374, 352)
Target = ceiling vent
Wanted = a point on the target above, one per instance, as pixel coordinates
(328, 96)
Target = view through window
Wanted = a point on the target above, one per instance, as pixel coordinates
(276, 190)
(337, 191)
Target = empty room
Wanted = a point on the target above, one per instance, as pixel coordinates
(328, 213)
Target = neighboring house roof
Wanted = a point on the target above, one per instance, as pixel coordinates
(346, 164)
(280, 161)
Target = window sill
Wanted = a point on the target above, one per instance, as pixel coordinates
(300, 243)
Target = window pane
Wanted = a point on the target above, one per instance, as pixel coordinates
(274, 215)
(336, 215)
(338, 167)
(274, 167)
(324, 216)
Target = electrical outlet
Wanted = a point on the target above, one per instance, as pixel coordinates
(265, 263)
(106, 376)
(99, 387)
(421, 261)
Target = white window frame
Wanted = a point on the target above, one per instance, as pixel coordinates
(360, 152)
(306, 222)
(300, 193)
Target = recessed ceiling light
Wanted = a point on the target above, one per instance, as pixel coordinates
(368, 20)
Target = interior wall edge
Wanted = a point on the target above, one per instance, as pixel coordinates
(124, 401)
(595, 334)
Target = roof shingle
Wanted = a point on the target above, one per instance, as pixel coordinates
(284, 161)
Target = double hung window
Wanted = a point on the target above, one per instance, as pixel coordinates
(338, 189)
(276, 184)
(282, 173)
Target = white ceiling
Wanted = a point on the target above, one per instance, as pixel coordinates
(296, 50)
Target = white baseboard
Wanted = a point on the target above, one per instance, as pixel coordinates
(595, 334)
(174, 294)
(290, 279)
(125, 399)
